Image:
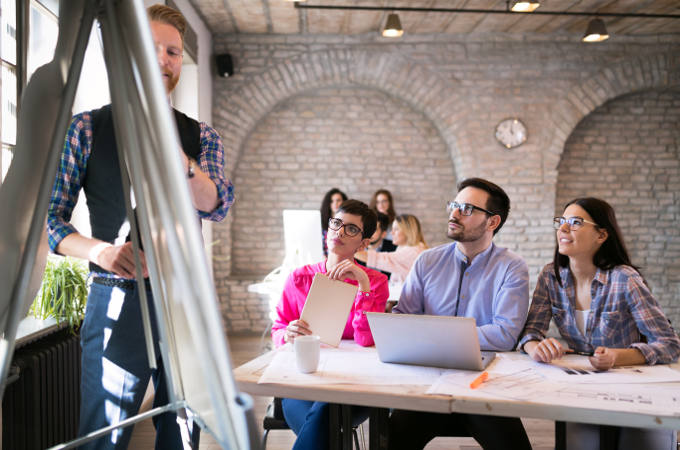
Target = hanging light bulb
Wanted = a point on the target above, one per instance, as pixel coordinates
(393, 26)
(596, 31)
(525, 6)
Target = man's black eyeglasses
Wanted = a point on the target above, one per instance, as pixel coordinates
(466, 208)
(350, 229)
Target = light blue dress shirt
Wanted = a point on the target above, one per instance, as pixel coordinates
(494, 289)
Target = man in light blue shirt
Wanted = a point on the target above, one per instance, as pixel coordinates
(471, 277)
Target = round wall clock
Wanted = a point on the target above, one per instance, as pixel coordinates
(511, 133)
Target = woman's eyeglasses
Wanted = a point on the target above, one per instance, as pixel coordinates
(574, 222)
(350, 229)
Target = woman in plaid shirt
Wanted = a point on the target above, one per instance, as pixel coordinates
(603, 307)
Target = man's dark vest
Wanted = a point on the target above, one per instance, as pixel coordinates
(102, 183)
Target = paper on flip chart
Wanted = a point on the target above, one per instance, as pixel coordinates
(342, 366)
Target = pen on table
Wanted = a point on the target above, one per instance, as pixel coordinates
(479, 380)
(576, 352)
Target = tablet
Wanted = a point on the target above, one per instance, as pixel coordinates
(327, 308)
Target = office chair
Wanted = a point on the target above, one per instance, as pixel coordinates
(274, 420)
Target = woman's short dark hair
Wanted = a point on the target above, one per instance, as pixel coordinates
(361, 209)
(613, 251)
(498, 202)
(391, 214)
(326, 206)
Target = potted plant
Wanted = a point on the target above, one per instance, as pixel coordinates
(63, 292)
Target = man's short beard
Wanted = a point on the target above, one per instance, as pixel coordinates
(172, 83)
(466, 235)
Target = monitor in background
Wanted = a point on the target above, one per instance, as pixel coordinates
(302, 236)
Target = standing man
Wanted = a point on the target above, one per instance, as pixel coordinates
(115, 371)
(470, 277)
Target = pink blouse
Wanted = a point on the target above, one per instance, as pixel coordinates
(295, 292)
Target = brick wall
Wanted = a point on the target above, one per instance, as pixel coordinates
(352, 138)
(626, 152)
(448, 94)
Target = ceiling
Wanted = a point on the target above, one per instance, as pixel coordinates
(281, 17)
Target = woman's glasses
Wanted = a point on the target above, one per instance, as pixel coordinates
(574, 222)
(350, 229)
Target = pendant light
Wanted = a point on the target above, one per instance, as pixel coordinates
(596, 31)
(392, 26)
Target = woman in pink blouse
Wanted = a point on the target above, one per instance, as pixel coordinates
(349, 231)
(408, 238)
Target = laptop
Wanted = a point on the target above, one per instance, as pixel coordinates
(437, 341)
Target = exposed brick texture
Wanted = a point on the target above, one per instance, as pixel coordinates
(626, 152)
(352, 138)
(449, 92)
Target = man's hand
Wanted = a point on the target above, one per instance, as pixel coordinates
(296, 328)
(120, 260)
(545, 350)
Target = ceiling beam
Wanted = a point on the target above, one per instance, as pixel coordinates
(484, 11)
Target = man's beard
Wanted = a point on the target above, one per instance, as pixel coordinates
(465, 235)
(171, 83)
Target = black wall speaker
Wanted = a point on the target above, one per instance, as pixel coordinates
(225, 66)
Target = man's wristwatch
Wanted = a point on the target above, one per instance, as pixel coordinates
(191, 166)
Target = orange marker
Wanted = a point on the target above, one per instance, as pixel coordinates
(479, 380)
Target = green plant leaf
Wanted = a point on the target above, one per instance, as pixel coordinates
(63, 293)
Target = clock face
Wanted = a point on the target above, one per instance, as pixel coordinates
(511, 133)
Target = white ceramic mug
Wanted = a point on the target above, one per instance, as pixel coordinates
(307, 350)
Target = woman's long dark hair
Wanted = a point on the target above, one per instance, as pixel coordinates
(613, 251)
(326, 206)
(390, 211)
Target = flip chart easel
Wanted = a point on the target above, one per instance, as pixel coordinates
(193, 344)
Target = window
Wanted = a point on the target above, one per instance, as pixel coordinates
(42, 37)
(42, 26)
(8, 96)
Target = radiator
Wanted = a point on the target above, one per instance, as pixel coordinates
(40, 409)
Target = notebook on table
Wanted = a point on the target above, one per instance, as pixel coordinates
(437, 341)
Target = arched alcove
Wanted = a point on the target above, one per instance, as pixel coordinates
(627, 153)
(351, 137)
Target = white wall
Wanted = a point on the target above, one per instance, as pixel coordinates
(204, 75)
(197, 79)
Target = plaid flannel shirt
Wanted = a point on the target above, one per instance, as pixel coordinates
(73, 166)
(622, 311)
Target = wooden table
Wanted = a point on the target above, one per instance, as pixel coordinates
(414, 397)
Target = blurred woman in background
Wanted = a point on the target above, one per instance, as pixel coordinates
(408, 237)
(382, 202)
(329, 206)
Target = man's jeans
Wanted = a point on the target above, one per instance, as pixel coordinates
(115, 370)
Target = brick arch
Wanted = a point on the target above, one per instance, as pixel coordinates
(654, 71)
(389, 72)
